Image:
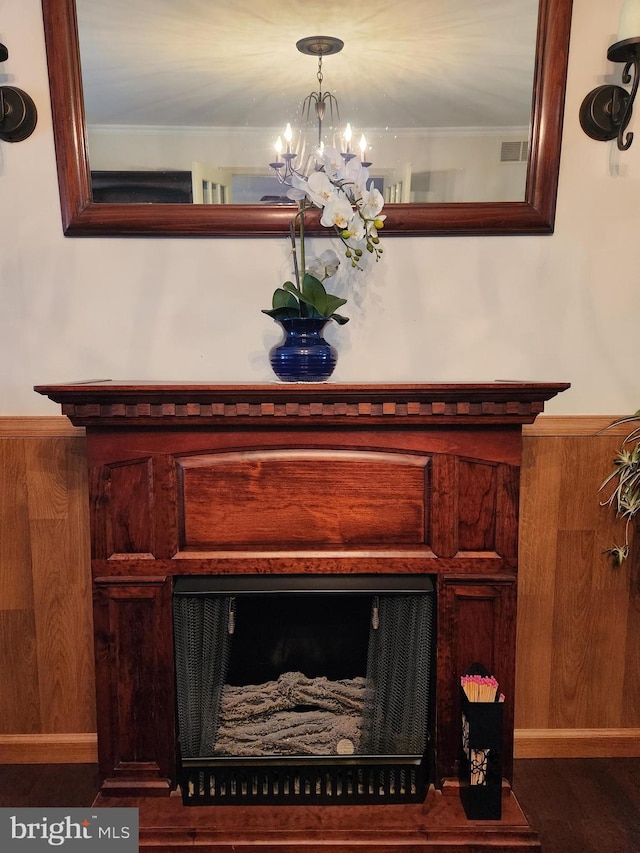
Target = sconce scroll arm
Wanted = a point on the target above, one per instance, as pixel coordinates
(18, 113)
(605, 113)
(628, 110)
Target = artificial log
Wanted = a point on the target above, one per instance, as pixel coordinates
(290, 733)
(293, 715)
(291, 690)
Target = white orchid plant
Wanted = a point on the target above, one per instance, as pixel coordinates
(352, 207)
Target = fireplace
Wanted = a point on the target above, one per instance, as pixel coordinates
(264, 502)
(303, 689)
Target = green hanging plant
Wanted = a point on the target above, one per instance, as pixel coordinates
(625, 483)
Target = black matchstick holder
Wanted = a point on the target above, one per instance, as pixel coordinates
(480, 764)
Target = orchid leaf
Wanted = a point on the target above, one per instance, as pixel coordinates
(282, 313)
(284, 305)
(333, 302)
(314, 294)
(313, 288)
(291, 288)
(323, 304)
(283, 298)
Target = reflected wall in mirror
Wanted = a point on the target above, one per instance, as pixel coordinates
(461, 104)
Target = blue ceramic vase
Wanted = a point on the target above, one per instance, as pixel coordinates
(303, 355)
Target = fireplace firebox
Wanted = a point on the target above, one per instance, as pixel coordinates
(286, 510)
(303, 689)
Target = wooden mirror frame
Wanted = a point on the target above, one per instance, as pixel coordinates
(82, 217)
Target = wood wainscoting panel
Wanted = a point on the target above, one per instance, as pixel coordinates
(16, 584)
(58, 521)
(579, 616)
(19, 695)
(630, 715)
(578, 680)
(46, 631)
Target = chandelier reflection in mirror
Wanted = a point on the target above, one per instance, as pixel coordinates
(337, 183)
(317, 46)
(320, 46)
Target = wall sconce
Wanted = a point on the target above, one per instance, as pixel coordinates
(606, 111)
(18, 114)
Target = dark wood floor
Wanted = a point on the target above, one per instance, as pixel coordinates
(577, 805)
(582, 805)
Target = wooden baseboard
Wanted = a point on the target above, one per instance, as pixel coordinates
(577, 743)
(81, 748)
(74, 748)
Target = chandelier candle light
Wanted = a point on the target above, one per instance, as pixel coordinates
(338, 184)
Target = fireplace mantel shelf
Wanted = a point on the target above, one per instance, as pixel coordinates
(94, 403)
(194, 479)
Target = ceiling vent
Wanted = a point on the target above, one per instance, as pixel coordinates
(514, 152)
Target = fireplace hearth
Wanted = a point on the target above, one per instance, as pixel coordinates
(246, 494)
(304, 689)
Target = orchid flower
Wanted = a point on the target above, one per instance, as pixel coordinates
(337, 212)
(341, 188)
(325, 266)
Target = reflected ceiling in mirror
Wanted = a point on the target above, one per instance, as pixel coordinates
(215, 85)
(450, 95)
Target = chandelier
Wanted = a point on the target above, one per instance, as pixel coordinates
(316, 103)
(320, 46)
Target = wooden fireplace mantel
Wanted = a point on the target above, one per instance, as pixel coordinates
(217, 479)
(110, 403)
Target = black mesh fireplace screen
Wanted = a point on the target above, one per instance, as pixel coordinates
(303, 688)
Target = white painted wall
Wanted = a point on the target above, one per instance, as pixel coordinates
(557, 308)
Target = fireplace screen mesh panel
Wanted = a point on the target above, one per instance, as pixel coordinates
(202, 645)
(303, 694)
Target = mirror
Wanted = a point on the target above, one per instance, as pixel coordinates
(79, 123)
(176, 112)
